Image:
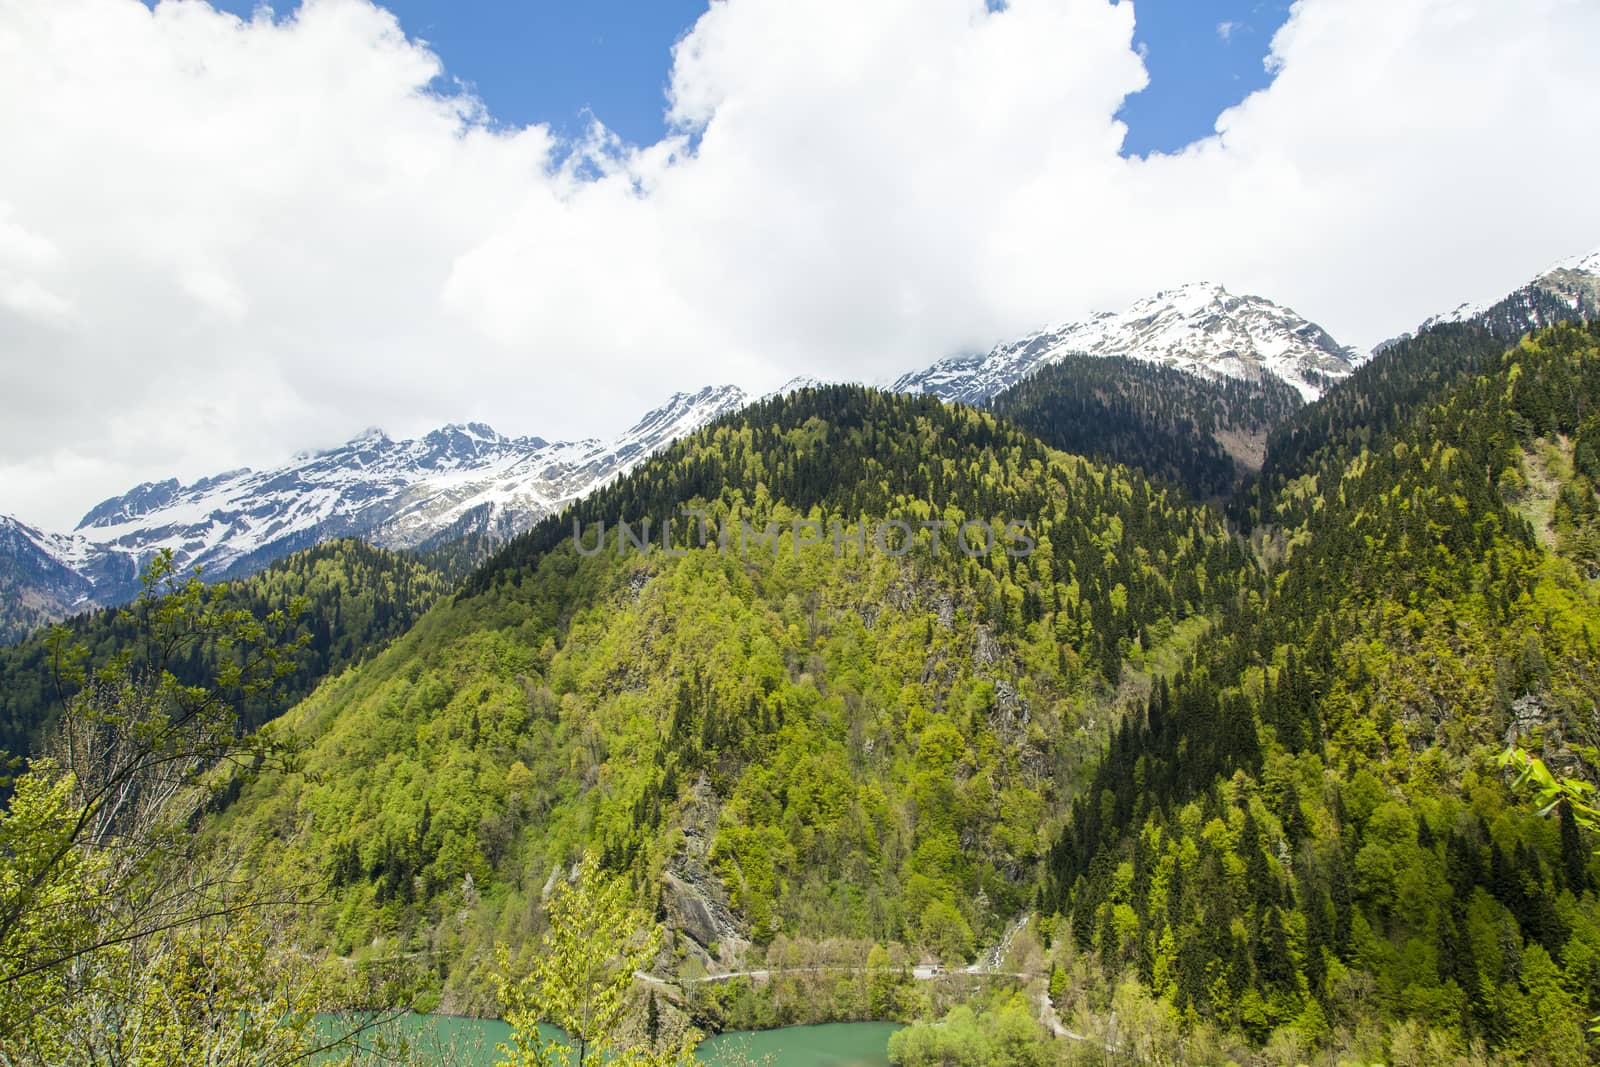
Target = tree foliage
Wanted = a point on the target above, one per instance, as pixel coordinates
(121, 939)
(839, 741)
(579, 979)
(353, 599)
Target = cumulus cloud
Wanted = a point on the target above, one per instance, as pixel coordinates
(224, 240)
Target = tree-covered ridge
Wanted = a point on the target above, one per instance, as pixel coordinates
(1307, 828)
(1198, 433)
(1383, 395)
(461, 548)
(358, 598)
(1386, 393)
(854, 453)
(801, 740)
(859, 451)
(1560, 296)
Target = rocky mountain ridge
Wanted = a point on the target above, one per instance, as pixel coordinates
(1201, 328)
(394, 494)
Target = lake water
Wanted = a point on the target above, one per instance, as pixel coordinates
(459, 1042)
(826, 1045)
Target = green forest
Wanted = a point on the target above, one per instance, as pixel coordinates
(1200, 434)
(1306, 823)
(1207, 773)
(355, 599)
(818, 741)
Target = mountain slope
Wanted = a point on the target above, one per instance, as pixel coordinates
(1307, 830)
(1199, 328)
(455, 482)
(1567, 292)
(1316, 443)
(1200, 433)
(35, 586)
(357, 599)
(1408, 373)
(813, 740)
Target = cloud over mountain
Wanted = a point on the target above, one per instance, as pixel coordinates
(224, 240)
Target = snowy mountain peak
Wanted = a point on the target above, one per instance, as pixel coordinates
(141, 500)
(453, 445)
(370, 439)
(1199, 327)
(1190, 295)
(476, 431)
(456, 480)
(682, 414)
(794, 385)
(1459, 313)
(1568, 291)
(696, 408)
(1588, 263)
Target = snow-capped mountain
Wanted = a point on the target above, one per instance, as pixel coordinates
(794, 385)
(1201, 328)
(1567, 292)
(395, 494)
(35, 586)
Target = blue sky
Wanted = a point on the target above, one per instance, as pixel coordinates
(539, 61)
(1203, 56)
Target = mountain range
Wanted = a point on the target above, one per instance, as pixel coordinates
(469, 481)
(410, 494)
(1200, 328)
(1240, 772)
(1205, 780)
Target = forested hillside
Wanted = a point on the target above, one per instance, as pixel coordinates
(774, 741)
(1306, 827)
(881, 676)
(1199, 433)
(356, 598)
(1382, 395)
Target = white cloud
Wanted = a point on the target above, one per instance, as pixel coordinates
(1227, 28)
(222, 241)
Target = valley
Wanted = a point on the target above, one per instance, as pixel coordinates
(741, 533)
(1207, 773)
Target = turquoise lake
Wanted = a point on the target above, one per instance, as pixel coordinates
(464, 1042)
